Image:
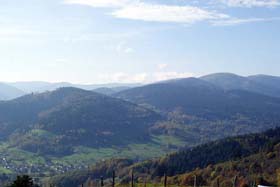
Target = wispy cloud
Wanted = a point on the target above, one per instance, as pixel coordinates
(160, 76)
(150, 12)
(236, 21)
(136, 10)
(144, 77)
(122, 77)
(251, 3)
(166, 13)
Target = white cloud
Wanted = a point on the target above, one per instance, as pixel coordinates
(145, 77)
(236, 21)
(122, 77)
(160, 76)
(143, 11)
(136, 10)
(166, 13)
(251, 3)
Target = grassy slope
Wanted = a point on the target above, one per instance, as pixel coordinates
(84, 156)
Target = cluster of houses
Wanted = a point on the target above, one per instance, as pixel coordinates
(47, 168)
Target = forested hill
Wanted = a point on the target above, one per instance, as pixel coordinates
(53, 123)
(262, 168)
(211, 153)
(229, 149)
(204, 108)
(203, 99)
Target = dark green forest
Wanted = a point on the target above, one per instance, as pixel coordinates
(250, 157)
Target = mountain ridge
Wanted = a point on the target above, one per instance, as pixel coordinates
(262, 84)
(8, 92)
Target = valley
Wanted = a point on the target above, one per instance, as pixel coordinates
(71, 129)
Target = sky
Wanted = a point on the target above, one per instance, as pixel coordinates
(129, 41)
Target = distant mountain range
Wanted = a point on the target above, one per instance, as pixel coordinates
(73, 126)
(262, 84)
(111, 90)
(29, 87)
(8, 92)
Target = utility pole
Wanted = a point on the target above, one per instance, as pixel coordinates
(234, 181)
(165, 180)
(101, 182)
(132, 179)
(194, 181)
(113, 181)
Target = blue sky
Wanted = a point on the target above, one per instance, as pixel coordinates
(101, 41)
